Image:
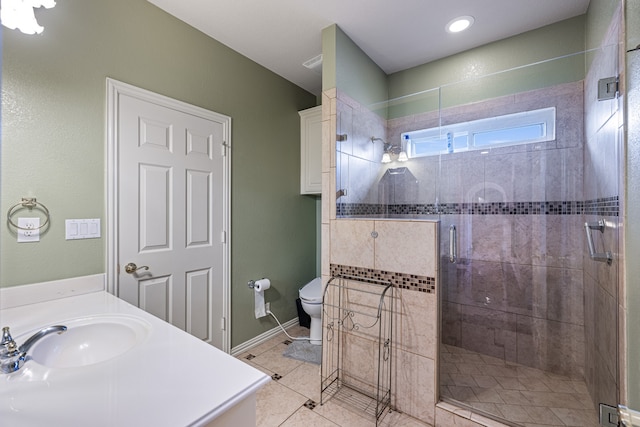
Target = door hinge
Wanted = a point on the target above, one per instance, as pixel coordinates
(608, 88)
(223, 148)
(609, 416)
(223, 237)
(223, 324)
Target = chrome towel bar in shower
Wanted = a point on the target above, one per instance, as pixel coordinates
(453, 244)
(597, 256)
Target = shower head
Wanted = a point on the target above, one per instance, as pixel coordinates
(386, 147)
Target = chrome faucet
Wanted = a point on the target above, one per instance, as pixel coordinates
(12, 356)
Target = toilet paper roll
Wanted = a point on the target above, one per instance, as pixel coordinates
(262, 285)
(259, 288)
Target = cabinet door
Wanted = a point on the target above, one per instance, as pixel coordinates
(408, 247)
(311, 151)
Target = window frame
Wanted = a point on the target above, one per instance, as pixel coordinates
(465, 134)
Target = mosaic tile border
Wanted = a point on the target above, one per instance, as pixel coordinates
(410, 282)
(607, 206)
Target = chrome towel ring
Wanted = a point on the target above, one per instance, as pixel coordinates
(29, 203)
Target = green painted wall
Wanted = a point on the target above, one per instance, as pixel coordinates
(481, 73)
(329, 48)
(598, 19)
(53, 143)
(355, 73)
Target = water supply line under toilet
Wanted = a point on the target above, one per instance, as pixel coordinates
(252, 285)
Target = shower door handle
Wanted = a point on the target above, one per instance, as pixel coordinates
(453, 244)
(597, 256)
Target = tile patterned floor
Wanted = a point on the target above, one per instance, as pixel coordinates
(292, 399)
(526, 396)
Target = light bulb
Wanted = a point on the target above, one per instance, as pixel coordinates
(386, 158)
(402, 157)
(459, 24)
(19, 14)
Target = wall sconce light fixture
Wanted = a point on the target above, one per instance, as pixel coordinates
(388, 149)
(18, 14)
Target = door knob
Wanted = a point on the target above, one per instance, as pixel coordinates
(132, 268)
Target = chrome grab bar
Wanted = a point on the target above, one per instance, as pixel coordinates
(453, 244)
(597, 256)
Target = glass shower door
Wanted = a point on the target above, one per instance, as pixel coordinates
(513, 325)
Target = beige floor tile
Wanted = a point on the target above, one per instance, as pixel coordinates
(513, 397)
(543, 415)
(534, 384)
(517, 393)
(486, 381)
(276, 403)
(397, 419)
(274, 361)
(258, 367)
(305, 417)
(463, 394)
(343, 415)
(490, 408)
(515, 413)
(510, 383)
(487, 395)
(304, 379)
(265, 346)
(575, 417)
(463, 380)
(469, 368)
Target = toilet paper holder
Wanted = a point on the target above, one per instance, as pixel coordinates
(252, 283)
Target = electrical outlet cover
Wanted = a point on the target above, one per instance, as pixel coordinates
(29, 230)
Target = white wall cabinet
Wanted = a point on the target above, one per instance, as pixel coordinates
(311, 150)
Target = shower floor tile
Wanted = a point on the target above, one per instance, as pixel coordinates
(522, 395)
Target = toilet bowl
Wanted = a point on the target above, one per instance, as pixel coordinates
(311, 299)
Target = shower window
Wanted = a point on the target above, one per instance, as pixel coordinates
(511, 129)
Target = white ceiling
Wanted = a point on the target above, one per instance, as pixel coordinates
(282, 34)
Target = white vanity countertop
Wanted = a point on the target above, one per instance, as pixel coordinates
(170, 379)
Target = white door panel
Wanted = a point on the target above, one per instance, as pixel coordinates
(172, 208)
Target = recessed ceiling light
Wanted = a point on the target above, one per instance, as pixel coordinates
(459, 24)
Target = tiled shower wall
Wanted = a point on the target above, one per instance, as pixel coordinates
(516, 289)
(357, 157)
(517, 284)
(603, 159)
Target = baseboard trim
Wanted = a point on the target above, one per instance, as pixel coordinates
(241, 348)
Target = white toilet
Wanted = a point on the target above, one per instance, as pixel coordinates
(311, 299)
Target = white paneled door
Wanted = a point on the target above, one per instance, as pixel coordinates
(172, 211)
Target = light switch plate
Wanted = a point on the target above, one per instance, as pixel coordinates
(76, 229)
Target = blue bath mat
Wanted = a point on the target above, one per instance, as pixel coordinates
(304, 351)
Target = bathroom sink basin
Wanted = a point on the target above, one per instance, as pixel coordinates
(90, 340)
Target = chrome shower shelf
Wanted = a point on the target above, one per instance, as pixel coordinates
(357, 347)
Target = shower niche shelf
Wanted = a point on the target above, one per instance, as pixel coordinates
(357, 350)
